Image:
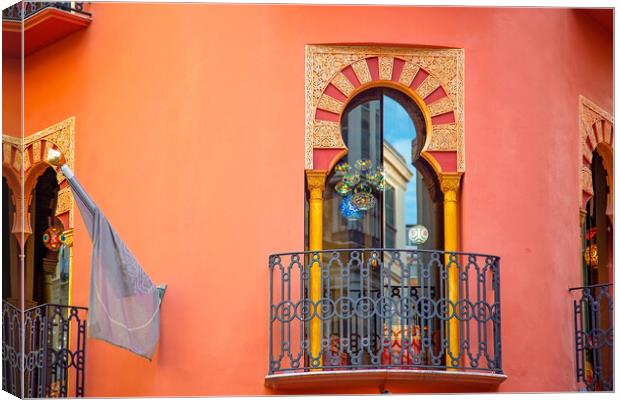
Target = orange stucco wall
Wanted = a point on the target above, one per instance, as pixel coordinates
(11, 96)
(190, 136)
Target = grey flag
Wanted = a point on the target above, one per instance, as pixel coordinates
(124, 304)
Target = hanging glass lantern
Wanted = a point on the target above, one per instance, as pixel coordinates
(363, 201)
(418, 234)
(361, 180)
(343, 188)
(351, 179)
(363, 165)
(376, 179)
(590, 255)
(362, 187)
(349, 210)
(51, 238)
(343, 167)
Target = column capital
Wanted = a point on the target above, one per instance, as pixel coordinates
(68, 237)
(450, 183)
(315, 181)
(582, 216)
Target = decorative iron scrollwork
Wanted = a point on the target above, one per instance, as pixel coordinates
(54, 337)
(25, 9)
(384, 308)
(594, 337)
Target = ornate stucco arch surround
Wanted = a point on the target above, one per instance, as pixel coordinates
(31, 157)
(596, 129)
(433, 78)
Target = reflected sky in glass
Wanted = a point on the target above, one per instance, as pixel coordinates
(399, 131)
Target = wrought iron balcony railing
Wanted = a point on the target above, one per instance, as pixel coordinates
(384, 309)
(594, 337)
(25, 9)
(52, 362)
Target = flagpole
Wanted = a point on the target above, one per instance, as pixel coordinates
(57, 159)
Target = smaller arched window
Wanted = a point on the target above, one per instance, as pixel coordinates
(597, 228)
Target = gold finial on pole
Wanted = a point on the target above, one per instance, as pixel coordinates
(55, 158)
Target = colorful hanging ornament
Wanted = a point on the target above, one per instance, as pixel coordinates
(348, 209)
(363, 165)
(362, 180)
(363, 201)
(51, 238)
(376, 179)
(343, 167)
(343, 188)
(351, 179)
(363, 188)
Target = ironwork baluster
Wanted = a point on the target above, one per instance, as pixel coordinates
(271, 314)
(497, 343)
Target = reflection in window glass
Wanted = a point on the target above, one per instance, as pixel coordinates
(377, 197)
(342, 226)
(412, 200)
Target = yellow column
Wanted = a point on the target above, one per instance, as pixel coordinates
(316, 185)
(69, 243)
(588, 371)
(450, 187)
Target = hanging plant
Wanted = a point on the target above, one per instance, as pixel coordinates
(358, 185)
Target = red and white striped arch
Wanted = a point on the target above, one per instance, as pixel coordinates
(433, 78)
(597, 134)
(32, 160)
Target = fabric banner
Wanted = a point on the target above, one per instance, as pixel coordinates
(124, 304)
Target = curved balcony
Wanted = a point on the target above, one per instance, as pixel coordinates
(41, 23)
(593, 308)
(23, 10)
(43, 350)
(382, 316)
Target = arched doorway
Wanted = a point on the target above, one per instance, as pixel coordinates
(597, 261)
(598, 228)
(47, 275)
(381, 195)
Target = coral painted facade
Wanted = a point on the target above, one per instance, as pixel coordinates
(193, 126)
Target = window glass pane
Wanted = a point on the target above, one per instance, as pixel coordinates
(412, 201)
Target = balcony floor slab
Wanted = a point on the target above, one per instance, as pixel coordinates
(415, 381)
